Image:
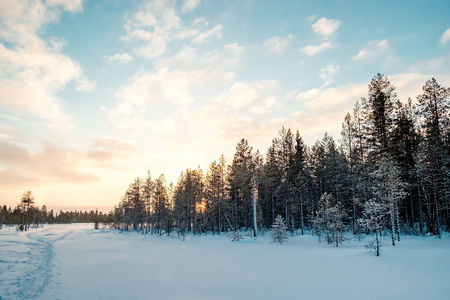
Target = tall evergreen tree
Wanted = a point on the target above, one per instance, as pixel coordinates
(240, 185)
(433, 155)
(378, 114)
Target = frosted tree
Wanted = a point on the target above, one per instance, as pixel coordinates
(279, 231)
(329, 220)
(235, 236)
(336, 224)
(373, 220)
(322, 219)
(388, 188)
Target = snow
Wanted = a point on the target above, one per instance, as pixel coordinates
(78, 262)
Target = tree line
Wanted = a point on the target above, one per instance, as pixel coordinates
(388, 173)
(27, 215)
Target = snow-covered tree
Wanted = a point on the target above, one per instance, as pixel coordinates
(373, 220)
(279, 231)
(330, 220)
(388, 188)
(235, 236)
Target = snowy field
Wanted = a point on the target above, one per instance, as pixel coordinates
(77, 262)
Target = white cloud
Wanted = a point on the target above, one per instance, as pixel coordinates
(277, 45)
(160, 89)
(240, 95)
(224, 60)
(33, 71)
(314, 49)
(206, 36)
(189, 5)
(234, 49)
(326, 27)
(69, 5)
(329, 99)
(328, 74)
(123, 58)
(445, 37)
(200, 22)
(308, 95)
(85, 85)
(372, 50)
(157, 25)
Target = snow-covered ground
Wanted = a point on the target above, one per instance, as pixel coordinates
(78, 262)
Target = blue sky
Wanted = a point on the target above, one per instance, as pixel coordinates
(94, 93)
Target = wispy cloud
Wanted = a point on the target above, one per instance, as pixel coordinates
(48, 166)
(372, 50)
(85, 85)
(206, 36)
(123, 58)
(189, 5)
(222, 60)
(156, 24)
(328, 74)
(314, 49)
(311, 18)
(277, 45)
(445, 37)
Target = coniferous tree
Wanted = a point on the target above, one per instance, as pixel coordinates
(378, 113)
(433, 157)
(26, 203)
(373, 215)
(329, 221)
(279, 231)
(240, 185)
(147, 195)
(301, 180)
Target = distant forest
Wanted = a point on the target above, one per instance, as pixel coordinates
(388, 172)
(26, 215)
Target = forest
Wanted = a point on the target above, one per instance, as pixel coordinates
(387, 174)
(26, 215)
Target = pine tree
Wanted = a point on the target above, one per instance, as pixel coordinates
(96, 219)
(26, 203)
(240, 186)
(378, 114)
(434, 158)
(279, 231)
(147, 194)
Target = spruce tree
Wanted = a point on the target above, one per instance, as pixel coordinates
(279, 231)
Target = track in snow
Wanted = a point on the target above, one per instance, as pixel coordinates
(28, 269)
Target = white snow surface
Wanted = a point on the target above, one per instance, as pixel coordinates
(77, 262)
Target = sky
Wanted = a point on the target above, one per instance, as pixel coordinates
(93, 93)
